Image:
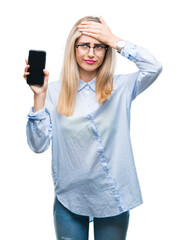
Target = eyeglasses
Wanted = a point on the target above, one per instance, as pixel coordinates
(86, 48)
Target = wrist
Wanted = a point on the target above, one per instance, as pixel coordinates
(113, 42)
(120, 45)
(39, 101)
(40, 95)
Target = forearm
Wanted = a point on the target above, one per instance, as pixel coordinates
(143, 59)
(39, 102)
(149, 67)
(39, 130)
(113, 41)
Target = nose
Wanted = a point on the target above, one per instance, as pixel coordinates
(91, 52)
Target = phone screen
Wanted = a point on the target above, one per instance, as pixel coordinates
(36, 60)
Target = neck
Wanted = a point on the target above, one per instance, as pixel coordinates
(87, 76)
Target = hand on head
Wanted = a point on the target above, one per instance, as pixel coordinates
(99, 31)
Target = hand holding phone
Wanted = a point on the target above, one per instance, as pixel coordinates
(36, 61)
(37, 89)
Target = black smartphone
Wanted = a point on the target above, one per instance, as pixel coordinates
(36, 60)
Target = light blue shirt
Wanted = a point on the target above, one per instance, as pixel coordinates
(93, 168)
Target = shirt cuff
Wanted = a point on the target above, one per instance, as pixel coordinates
(38, 115)
(129, 50)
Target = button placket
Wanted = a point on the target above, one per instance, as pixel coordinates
(104, 161)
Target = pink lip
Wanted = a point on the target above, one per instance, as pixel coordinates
(90, 61)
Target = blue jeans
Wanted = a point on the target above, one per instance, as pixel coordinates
(70, 226)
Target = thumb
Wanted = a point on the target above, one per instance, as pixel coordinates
(46, 74)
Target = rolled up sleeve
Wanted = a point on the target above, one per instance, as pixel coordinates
(39, 130)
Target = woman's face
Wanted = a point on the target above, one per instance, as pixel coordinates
(89, 59)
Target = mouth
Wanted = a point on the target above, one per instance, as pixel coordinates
(88, 61)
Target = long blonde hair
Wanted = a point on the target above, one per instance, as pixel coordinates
(70, 73)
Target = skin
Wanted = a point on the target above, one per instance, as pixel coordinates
(99, 31)
(93, 32)
(87, 71)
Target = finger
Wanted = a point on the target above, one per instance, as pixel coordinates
(90, 30)
(89, 23)
(101, 20)
(91, 35)
(26, 60)
(46, 78)
(26, 68)
(25, 75)
(89, 27)
(45, 72)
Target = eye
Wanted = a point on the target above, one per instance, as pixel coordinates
(84, 45)
(98, 47)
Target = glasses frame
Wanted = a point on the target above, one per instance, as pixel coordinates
(78, 45)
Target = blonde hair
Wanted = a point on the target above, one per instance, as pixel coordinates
(70, 73)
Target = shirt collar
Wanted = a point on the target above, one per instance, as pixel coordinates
(91, 83)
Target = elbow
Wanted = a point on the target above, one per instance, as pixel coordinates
(158, 68)
(38, 141)
(35, 150)
(38, 149)
(38, 146)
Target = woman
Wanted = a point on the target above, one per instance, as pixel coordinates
(87, 116)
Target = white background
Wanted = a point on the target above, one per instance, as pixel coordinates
(157, 115)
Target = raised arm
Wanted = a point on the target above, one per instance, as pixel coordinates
(39, 124)
(149, 67)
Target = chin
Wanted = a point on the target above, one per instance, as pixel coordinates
(90, 68)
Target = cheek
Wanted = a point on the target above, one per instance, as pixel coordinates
(101, 60)
(78, 57)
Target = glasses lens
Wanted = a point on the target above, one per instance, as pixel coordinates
(100, 49)
(97, 48)
(84, 47)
